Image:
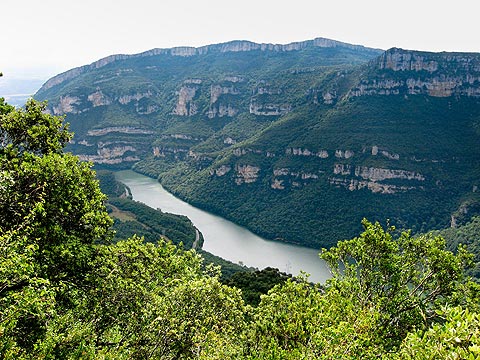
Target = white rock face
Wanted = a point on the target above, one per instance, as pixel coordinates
(323, 154)
(387, 154)
(375, 187)
(269, 109)
(341, 169)
(371, 178)
(180, 136)
(344, 154)
(118, 129)
(379, 174)
(185, 105)
(98, 98)
(221, 111)
(114, 152)
(246, 174)
(111, 155)
(390, 156)
(229, 141)
(217, 90)
(239, 151)
(66, 105)
(281, 172)
(426, 73)
(404, 60)
(277, 184)
(128, 98)
(221, 171)
(219, 108)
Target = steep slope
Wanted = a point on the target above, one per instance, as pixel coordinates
(180, 97)
(297, 142)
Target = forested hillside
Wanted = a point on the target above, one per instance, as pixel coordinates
(134, 218)
(297, 142)
(67, 291)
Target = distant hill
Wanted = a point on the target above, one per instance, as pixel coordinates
(17, 91)
(297, 142)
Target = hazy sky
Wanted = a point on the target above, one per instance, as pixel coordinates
(45, 37)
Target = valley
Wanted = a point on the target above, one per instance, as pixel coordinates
(225, 239)
(142, 234)
(296, 142)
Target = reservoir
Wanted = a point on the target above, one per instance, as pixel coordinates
(226, 239)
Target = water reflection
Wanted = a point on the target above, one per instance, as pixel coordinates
(226, 239)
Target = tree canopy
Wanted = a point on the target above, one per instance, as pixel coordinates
(68, 292)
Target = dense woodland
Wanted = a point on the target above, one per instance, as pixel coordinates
(410, 118)
(68, 291)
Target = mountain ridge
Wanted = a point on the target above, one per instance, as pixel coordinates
(230, 46)
(297, 145)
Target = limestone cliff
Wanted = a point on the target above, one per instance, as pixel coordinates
(185, 105)
(67, 104)
(232, 46)
(246, 174)
(371, 178)
(73, 104)
(406, 72)
(269, 109)
(219, 107)
(112, 154)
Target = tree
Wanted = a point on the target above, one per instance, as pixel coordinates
(456, 337)
(52, 214)
(402, 277)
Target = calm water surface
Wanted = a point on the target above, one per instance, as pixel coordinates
(226, 239)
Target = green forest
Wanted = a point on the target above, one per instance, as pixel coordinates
(282, 142)
(69, 291)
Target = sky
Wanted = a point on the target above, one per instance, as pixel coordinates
(41, 38)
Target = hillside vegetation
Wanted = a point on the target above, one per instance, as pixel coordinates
(67, 291)
(297, 142)
(132, 218)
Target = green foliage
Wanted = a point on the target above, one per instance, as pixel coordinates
(66, 292)
(385, 293)
(402, 277)
(30, 130)
(300, 321)
(468, 235)
(256, 283)
(110, 186)
(228, 268)
(52, 214)
(156, 224)
(456, 337)
(154, 301)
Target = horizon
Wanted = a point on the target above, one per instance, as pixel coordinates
(51, 37)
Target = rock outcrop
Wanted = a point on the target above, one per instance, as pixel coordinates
(246, 174)
(221, 171)
(399, 71)
(108, 154)
(118, 129)
(98, 98)
(185, 104)
(371, 178)
(323, 154)
(375, 187)
(269, 109)
(67, 104)
(72, 104)
(128, 98)
(232, 46)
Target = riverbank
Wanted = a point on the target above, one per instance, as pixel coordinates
(226, 239)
